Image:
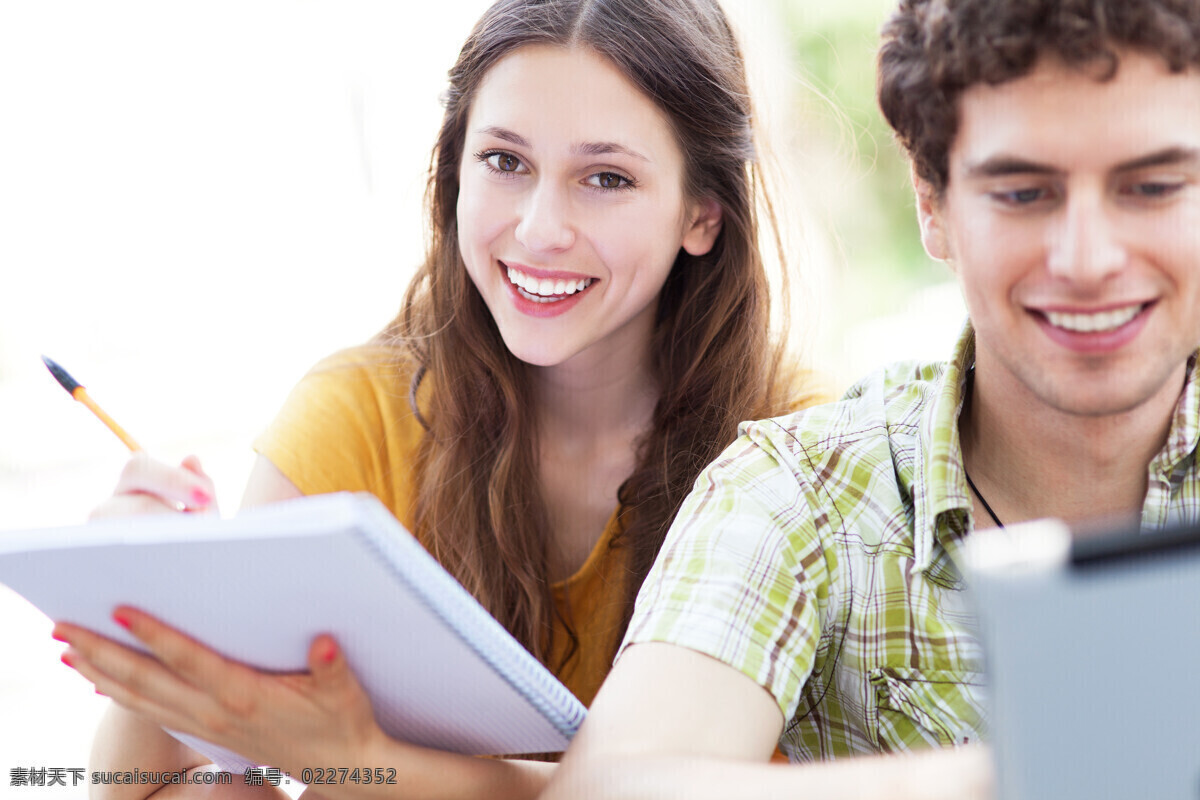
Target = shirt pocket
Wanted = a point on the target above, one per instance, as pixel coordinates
(917, 708)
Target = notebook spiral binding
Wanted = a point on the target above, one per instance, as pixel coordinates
(462, 614)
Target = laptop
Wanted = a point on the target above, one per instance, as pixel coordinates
(1093, 655)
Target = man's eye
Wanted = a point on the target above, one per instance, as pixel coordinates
(1021, 197)
(1152, 189)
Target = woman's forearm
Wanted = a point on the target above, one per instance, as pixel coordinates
(126, 743)
(128, 747)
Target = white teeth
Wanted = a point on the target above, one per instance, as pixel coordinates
(537, 298)
(1092, 323)
(545, 289)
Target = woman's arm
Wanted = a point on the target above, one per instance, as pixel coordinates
(210, 701)
(125, 741)
(317, 718)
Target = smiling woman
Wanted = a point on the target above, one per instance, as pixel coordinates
(588, 327)
(593, 197)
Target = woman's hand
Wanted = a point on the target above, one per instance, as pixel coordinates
(318, 718)
(147, 486)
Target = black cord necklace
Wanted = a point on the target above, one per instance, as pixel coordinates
(978, 494)
(970, 390)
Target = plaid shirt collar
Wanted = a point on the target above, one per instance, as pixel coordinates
(942, 505)
(1184, 435)
(941, 499)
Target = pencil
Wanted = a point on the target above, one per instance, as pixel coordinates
(76, 390)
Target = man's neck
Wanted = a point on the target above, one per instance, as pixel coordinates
(1032, 460)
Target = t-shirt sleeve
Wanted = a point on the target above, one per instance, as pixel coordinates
(739, 577)
(347, 426)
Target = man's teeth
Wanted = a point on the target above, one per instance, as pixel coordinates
(545, 289)
(1091, 323)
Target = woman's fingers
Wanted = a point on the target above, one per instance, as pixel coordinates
(180, 683)
(132, 679)
(132, 505)
(192, 464)
(186, 484)
(330, 673)
(290, 718)
(147, 486)
(231, 683)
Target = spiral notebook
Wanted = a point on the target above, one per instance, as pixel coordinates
(440, 671)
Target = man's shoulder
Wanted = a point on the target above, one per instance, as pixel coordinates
(890, 403)
(855, 460)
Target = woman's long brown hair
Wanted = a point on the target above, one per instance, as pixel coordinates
(479, 507)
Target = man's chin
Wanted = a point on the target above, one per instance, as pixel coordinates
(1099, 396)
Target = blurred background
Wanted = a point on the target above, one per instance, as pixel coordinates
(198, 201)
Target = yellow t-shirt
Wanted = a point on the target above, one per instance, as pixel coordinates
(348, 426)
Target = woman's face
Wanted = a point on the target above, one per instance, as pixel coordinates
(571, 207)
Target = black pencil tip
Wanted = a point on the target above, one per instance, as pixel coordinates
(61, 375)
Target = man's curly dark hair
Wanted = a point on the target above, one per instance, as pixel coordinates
(933, 50)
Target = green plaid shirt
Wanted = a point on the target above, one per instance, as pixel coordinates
(819, 554)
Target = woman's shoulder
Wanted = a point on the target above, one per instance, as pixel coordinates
(369, 377)
(348, 426)
(373, 363)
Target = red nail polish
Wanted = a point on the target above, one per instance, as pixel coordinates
(122, 620)
(102, 694)
(330, 653)
(66, 659)
(58, 637)
(200, 497)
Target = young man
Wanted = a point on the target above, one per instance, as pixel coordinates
(810, 592)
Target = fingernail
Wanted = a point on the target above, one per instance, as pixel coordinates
(67, 659)
(200, 497)
(102, 694)
(58, 637)
(330, 653)
(122, 620)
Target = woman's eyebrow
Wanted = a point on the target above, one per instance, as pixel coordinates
(584, 149)
(605, 148)
(505, 134)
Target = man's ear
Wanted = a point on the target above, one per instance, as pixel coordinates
(930, 217)
(701, 234)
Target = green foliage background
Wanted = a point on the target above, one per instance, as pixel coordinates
(867, 199)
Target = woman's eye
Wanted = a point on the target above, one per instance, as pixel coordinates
(504, 162)
(500, 162)
(610, 180)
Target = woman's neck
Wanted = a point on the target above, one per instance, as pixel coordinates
(590, 417)
(598, 403)
(606, 389)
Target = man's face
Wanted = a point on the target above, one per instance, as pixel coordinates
(1072, 218)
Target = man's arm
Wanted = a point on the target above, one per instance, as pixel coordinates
(672, 723)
